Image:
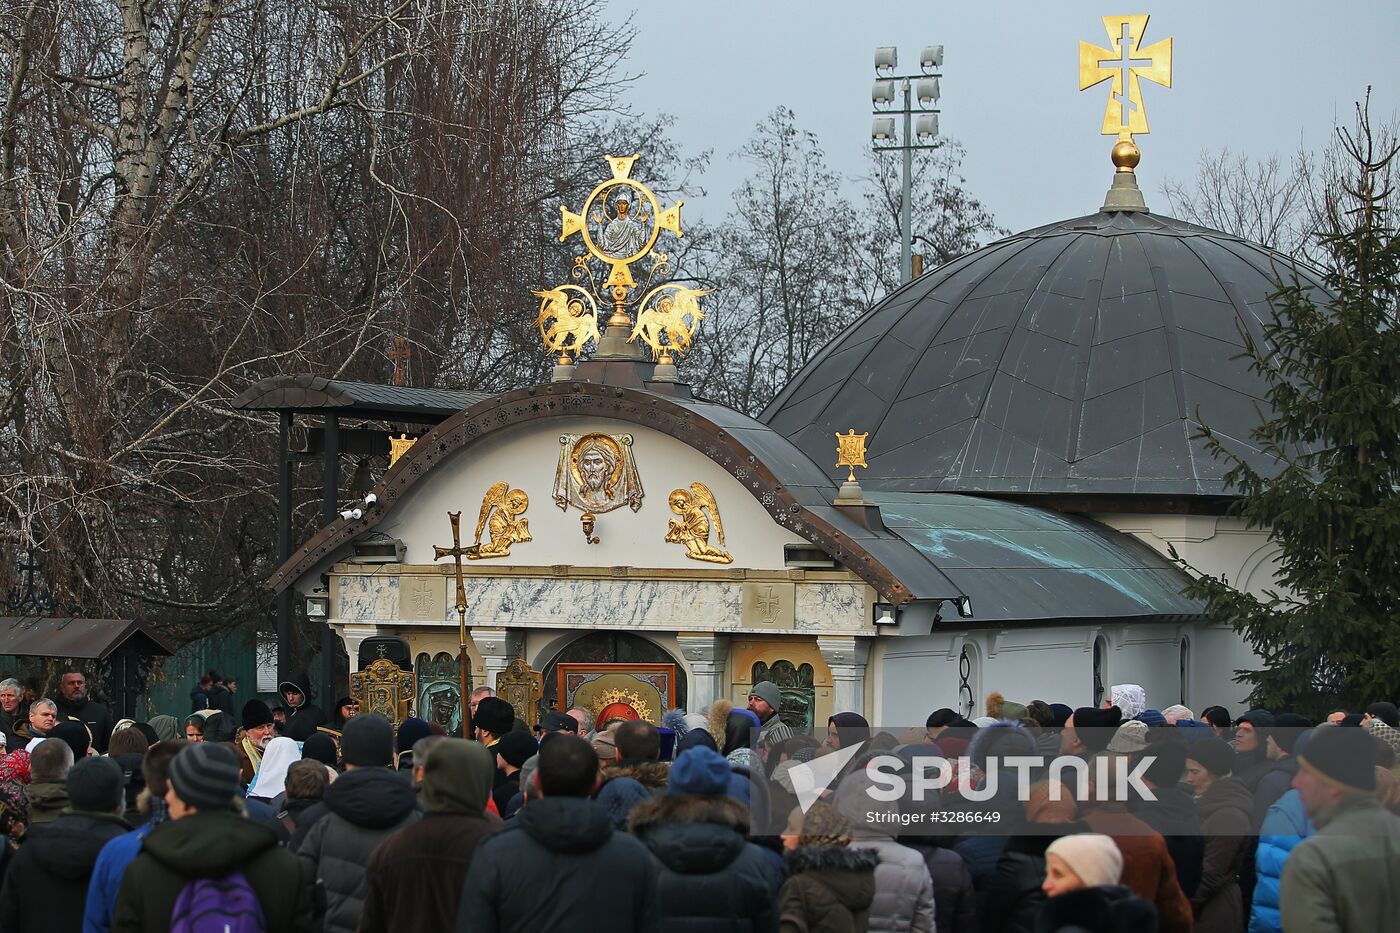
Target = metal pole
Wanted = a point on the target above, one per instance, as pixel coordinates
(906, 246)
(284, 541)
(330, 510)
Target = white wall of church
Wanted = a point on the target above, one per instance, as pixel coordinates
(918, 674)
(526, 457)
(1220, 546)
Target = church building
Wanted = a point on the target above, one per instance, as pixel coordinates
(1025, 424)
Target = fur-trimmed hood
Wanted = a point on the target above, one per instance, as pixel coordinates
(691, 835)
(719, 716)
(688, 808)
(653, 775)
(830, 858)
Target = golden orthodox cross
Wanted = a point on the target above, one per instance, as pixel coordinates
(1125, 63)
(456, 552)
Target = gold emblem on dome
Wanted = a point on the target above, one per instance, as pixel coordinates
(398, 446)
(617, 696)
(668, 320)
(568, 320)
(619, 225)
(850, 452)
(693, 527)
(1125, 64)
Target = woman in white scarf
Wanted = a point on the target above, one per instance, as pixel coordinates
(1130, 698)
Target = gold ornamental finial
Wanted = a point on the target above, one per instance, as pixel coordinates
(1125, 115)
(850, 452)
(619, 225)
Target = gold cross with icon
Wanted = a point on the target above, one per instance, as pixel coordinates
(850, 452)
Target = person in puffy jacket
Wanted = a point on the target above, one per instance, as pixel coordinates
(364, 807)
(1285, 825)
(830, 886)
(559, 858)
(903, 888)
(711, 877)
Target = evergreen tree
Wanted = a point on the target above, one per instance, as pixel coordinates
(1330, 635)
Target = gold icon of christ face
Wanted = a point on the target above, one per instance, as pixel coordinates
(597, 473)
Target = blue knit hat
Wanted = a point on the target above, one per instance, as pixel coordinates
(1152, 717)
(699, 771)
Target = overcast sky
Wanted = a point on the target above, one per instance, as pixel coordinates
(1251, 75)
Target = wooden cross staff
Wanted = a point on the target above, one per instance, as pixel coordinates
(456, 552)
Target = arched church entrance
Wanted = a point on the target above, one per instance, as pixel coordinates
(599, 655)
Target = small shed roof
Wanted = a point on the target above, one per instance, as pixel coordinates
(356, 399)
(33, 636)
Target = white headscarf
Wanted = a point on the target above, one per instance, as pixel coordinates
(271, 778)
(1094, 857)
(1130, 698)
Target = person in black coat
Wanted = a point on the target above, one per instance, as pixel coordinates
(303, 716)
(548, 870)
(1013, 895)
(711, 877)
(45, 889)
(73, 702)
(1173, 814)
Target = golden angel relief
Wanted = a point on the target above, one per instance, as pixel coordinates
(693, 527)
(501, 516)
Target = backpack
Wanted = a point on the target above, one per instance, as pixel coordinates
(218, 905)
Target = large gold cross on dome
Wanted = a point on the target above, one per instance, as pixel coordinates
(1125, 63)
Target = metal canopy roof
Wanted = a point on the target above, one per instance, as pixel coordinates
(356, 399)
(1021, 563)
(75, 638)
(1070, 359)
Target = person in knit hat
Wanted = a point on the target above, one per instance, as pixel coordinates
(206, 840)
(710, 874)
(46, 882)
(1343, 878)
(512, 751)
(1279, 742)
(116, 855)
(829, 885)
(766, 701)
(414, 880)
(1084, 895)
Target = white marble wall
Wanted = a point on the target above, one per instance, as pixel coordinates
(569, 602)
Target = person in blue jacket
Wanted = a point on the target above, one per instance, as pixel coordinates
(1285, 825)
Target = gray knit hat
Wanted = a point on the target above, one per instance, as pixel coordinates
(205, 776)
(768, 692)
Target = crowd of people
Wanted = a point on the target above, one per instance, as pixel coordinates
(290, 820)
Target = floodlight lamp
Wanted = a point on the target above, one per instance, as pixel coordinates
(886, 614)
(882, 129)
(318, 604)
(927, 91)
(882, 93)
(886, 58)
(926, 125)
(931, 57)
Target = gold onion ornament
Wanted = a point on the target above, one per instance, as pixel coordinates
(619, 226)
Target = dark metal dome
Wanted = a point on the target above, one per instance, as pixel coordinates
(1069, 359)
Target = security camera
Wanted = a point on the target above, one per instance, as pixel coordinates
(371, 499)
